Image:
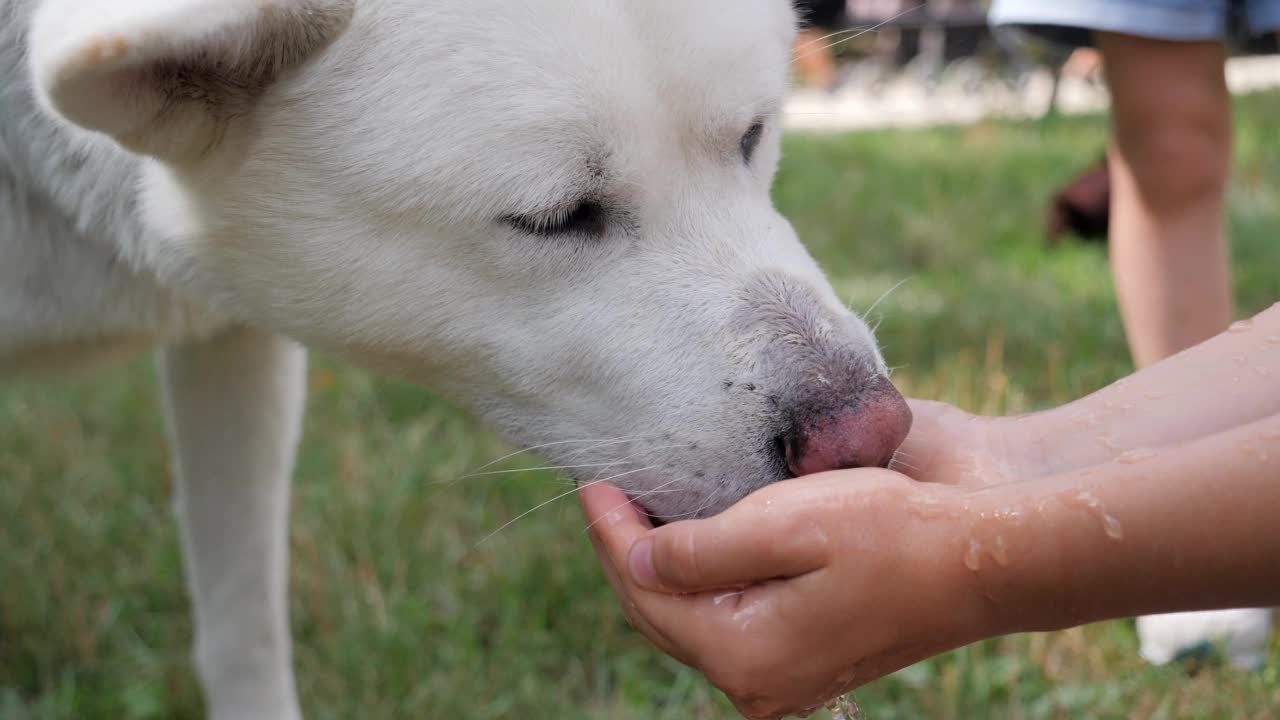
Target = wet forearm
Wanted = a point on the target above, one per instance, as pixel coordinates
(1191, 527)
(1229, 381)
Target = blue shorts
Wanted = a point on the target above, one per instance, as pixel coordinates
(1074, 21)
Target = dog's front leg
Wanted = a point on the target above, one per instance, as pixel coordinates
(234, 409)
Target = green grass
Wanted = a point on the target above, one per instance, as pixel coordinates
(397, 612)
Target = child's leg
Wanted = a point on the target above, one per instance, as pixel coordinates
(817, 63)
(1171, 160)
(1084, 64)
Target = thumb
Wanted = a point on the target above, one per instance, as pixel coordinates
(734, 550)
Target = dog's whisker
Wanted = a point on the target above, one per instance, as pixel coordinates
(641, 451)
(682, 516)
(661, 488)
(858, 34)
(630, 501)
(907, 460)
(691, 514)
(838, 33)
(561, 496)
(537, 469)
(557, 444)
(897, 465)
(610, 511)
(908, 450)
(885, 296)
(603, 465)
(644, 451)
(791, 113)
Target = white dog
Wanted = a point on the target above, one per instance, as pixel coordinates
(556, 212)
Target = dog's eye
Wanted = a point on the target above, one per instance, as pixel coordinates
(751, 140)
(585, 218)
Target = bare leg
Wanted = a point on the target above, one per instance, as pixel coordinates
(1172, 154)
(234, 407)
(1170, 255)
(1084, 64)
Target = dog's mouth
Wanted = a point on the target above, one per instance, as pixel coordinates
(654, 520)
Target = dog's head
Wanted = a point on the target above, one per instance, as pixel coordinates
(556, 211)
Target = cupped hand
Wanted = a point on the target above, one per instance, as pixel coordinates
(803, 591)
(949, 446)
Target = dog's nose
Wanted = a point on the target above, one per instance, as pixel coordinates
(865, 432)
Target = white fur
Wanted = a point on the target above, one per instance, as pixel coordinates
(344, 180)
(234, 411)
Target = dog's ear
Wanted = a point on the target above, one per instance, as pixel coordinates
(165, 77)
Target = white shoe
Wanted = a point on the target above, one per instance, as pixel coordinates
(1243, 634)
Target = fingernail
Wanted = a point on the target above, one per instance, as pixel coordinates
(641, 563)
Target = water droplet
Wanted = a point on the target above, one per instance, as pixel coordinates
(973, 557)
(1133, 457)
(927, 509)
(1262, 370)
(1001, 552)
(1074, 499)
(745, 615)
(1088, 501)
(1242, 326)
(721, 599)
(1274, 339)
(845, 707)
(1114, 530)
(1240, 359)
(1010, 516)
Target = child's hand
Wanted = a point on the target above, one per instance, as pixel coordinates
(1062, 518)
(847, 578)
(952, 447)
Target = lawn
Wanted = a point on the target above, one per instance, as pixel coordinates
(400, 612)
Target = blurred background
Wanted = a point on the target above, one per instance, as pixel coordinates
(927, 151)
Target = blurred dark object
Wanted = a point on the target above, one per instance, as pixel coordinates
(1268, 44)
(923, 34)
(1083, 208)
(815, 56)
(826, 14)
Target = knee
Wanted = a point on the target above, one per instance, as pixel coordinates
(1179, 162)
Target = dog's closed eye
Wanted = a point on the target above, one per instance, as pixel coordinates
(751, 140)
(587, 217)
